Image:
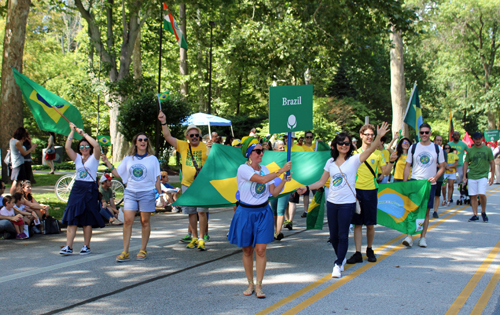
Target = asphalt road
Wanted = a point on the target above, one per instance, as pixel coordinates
(457, 273)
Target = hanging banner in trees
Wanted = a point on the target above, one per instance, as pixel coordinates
(170, 25)
(290, 108)
(42, 102)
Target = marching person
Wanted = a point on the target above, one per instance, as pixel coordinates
(252, 226)
(341, 199)
(83, 207)
(140, 170)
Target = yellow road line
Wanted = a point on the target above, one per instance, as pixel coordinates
(349, 277)
(485, 297)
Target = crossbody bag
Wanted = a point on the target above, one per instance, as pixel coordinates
(358, 206)
(198, 169)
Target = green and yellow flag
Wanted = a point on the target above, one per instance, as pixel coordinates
(402, 206)
(413, 115)
(163, 96)
(316, 212)
(42, 102)
(104, 140)
(216, 186)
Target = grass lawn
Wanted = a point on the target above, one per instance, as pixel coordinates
(56, 206)
(44, 180)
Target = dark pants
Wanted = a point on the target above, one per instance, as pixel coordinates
(339, 219)
(7, 229)
(106, 214)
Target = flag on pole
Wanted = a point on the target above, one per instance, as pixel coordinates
(42, 103)
(170, 25)
(163, 96)
(316, 212)
(452, 130)
(468, 140)
(413, 116)
(104, 140)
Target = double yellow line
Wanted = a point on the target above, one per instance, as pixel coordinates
(316, 297)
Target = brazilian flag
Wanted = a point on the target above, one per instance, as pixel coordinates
(163, 96)
(42, 103)
(413, 115)
(316, 211)
(104, 140)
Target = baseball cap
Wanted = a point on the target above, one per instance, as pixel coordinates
(477, 135)
(236, 142)
(105, 177)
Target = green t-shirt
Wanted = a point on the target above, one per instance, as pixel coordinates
(479, 161)
(107, 194)
(461, 147)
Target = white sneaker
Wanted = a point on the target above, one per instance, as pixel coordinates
(85, 250)
(336, 272)
(422, 242)
(65, 251)
(408, 241)
(343, 264)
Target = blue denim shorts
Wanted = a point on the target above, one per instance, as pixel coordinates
(143, 201)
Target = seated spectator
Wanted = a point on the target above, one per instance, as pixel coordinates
(108, 210)
(17, 220)
(41, 210)
(30, 215)
(7, 229)
(169, 192)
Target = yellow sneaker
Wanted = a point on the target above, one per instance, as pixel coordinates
(193, 243)
(201, 245)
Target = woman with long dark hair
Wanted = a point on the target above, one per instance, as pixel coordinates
(398, 157)
(17, 153)
(140, 170)
(83, 204)
(341, 199)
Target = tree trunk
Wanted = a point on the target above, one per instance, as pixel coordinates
(491, 120)
(183, 52)
(11, 101)
(398, 90)
(136, 55)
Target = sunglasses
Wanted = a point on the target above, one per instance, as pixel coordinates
(258, 151)
(164, 177)
(142, 139)
(406, 142)
(308, 137)
(425, 132)
(369, 135)
(447, 148)
(86, 146)
(197, 135)
(346, 143)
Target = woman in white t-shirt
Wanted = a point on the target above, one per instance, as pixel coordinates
(83, 204)
(341, 201)
(252, 226)
(140, 170)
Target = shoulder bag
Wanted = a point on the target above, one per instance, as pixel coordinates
(358, 206)
(198, 169)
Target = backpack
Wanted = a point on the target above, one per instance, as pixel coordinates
(51, 226)
(414, 148)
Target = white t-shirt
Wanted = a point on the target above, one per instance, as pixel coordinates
(139, 174)
(426, 161)
(339, 191)
(252, 193)
(6, 212)
(91, 165)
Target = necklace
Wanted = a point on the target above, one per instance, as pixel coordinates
(141, 156)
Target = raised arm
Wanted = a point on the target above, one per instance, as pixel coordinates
(67, 145)
(91, 141)
(396, 136)
(110, 166)
(166, 132)
(381, 131)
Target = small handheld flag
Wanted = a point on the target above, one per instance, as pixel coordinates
(104, 140)
(163, 96)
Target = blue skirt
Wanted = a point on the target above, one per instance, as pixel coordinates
(251, 226)
(83, 206)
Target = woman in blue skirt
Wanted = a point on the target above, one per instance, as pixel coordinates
(252, 226)
(83, 204)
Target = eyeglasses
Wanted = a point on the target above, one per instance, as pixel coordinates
(406, 142)
(346, 143)
(447, 148)
(142, 139)
(258, 151)
(425, 132)
(307, 137)
(164, 176)
(84, 146)
(369, 135)
(197, 135)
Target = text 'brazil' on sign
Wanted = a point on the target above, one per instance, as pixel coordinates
(290, 108)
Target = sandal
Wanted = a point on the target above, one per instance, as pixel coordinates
(116, 222)
(142, 255)
(258, 291)
(250, 289)
(123, 257)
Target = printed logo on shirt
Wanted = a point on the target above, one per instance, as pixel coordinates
(257, 190)
(138, 172)
(81, 173)
(372, 161)
(197, 157)
(338, 182)
(478, 157)
(425, 159)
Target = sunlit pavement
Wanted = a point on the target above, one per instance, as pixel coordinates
(456, 273)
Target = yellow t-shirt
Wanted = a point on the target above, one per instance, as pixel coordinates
(200, 156)
(311, 148)
(364, 178)
(386, 155)
(452, 159)
(400, 167)
(295, 148)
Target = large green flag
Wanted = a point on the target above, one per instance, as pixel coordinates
(402, 206)
(413, 115)
(316, 211)
(216, 186)
(41, 103)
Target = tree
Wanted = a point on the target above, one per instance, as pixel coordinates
(398, 88)
(11, 107)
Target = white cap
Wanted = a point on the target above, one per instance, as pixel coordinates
(354, 139)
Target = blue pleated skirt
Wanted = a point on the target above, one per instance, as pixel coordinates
(83, 206)
(251, 226)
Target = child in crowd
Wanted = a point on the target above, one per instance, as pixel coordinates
(8, 211)
(30, 215)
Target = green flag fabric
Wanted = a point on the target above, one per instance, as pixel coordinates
(402, 206)
(414, 113)
(42, 102)
(216, 186)
(316, 211)
(104, 140)
(163, 96)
